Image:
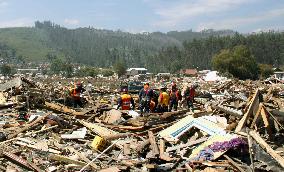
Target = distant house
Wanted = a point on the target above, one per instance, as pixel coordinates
(163, 76)
(189, 72)
(276, 69)
(23, 71)
(279, 75)
(135, 71)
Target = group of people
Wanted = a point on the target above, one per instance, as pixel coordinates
(149, 100)
(152, 101)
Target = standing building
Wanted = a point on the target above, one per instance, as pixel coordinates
(136, 71)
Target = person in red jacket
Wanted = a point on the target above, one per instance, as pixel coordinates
(189, 95)
(125, 101)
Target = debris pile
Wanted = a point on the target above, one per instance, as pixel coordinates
(235, 126)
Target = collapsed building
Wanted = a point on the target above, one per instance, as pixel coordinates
(239, 127)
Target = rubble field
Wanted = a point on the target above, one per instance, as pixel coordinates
(236, 126)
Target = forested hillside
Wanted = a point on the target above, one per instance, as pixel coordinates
(267, 48)
(160, 52)
(92, 46)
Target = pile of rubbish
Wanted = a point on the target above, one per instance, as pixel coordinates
(236, 126)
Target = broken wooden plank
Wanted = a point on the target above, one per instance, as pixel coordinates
(58, 108)
(66, 160)
(266, 122)
(153, 143)
(274, 118)
(163, 155)
(253, 105)
(162, 146)
(38, 148)
(100, 130)
(266, 147)
(256, 115)
(28, 126)
(21, 161)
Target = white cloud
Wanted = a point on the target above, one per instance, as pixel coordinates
(241, 21)
(71, 21)
(185, 10)
(3, 3)
(21, 22)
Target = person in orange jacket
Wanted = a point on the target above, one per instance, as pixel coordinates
(75, 93)
(175, 97)
(125, 100)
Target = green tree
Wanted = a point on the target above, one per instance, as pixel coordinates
(50, 57)
(237, 61)
(266, 70)
(107, 72)
(6, 69)
(87, 71)
(56, 66)
(120, 68)
(68, 69)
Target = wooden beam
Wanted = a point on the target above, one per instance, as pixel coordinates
(266, 122)
(163, 156)
(20, 161)
(162, 146)
(28, 126)
(253, 105)
(266, 147)
(256, 115)
(153, 143)
(66, 160)
(274, 118)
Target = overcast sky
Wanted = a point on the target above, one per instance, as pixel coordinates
(147, 15)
